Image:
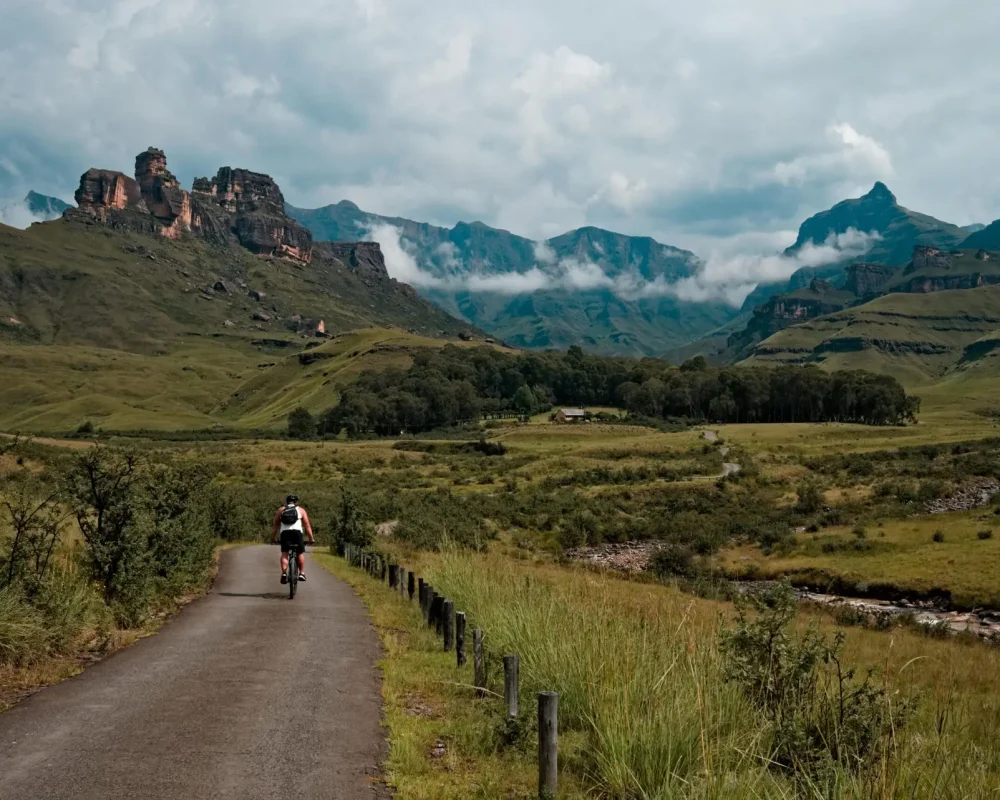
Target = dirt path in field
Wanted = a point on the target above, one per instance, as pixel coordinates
(245, 694)
(729, 467)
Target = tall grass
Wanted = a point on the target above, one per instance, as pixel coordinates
(640, 681)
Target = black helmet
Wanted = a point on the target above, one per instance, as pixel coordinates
(291, 500)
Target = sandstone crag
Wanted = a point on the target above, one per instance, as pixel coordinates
(236, 207)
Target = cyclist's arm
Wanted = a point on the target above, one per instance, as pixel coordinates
(276, 525)
(306, 524)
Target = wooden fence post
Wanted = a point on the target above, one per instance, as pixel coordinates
(410, 584)
(548, 745)
(448, 610)
(460, 638)
(437, 615)
(510, 685)
(479, 661)
(393, 576)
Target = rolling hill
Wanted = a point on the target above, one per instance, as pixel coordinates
(937, 319)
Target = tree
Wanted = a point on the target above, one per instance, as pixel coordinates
(100, 486)
(301, 424)
(696, 364)
(524, 401)
(30, 509)
(351, 523)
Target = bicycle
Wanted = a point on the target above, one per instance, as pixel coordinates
(293, 571)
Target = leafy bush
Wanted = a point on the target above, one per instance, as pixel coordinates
(822, 718)
(938, 536)
(983, 535)
(673, 560)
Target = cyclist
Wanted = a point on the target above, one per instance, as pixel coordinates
(290, 521)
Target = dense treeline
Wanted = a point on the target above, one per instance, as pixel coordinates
(455, 385)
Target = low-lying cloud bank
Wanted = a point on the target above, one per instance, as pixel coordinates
(16, 214)
(718, 278)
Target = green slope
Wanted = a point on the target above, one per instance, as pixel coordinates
(128, 330)
(919, 338)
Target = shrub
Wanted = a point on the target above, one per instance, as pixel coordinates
(984, 535)
(810, 497)
(938, 536)
(673, 560)
(859, 531)
(822, 718)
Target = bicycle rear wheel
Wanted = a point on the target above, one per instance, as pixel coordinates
(293, 574)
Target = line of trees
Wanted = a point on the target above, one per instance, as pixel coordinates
(455, 385)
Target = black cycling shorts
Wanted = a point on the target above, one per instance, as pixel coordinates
(292, 539)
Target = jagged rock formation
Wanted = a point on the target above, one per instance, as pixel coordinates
(865, 279)
(250, 207)
(162, 194)
(365, 258)
(934, 270)
(816, 300)
(102, 191)
(235, 207)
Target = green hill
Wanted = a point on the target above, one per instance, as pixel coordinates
(919, 338)
(116, 315)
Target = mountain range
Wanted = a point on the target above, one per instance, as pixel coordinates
(583, 287)
(610, 292)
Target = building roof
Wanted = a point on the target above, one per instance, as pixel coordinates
(573, 412)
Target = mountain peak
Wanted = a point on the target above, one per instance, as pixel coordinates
(881, 193)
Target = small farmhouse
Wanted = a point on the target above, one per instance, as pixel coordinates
(571, 415)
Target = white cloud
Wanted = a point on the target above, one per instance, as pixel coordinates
(453, 64)
(720, 278)
(544, 254)
(731, 277)
(854, 154)
(722, 119)
(16, 214)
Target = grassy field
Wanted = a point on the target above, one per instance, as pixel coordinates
(235, 380)
(901, 554)
(644, 711)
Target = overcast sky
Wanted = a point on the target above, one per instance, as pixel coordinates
(718, 124)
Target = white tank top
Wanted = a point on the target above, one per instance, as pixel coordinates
(295, 526)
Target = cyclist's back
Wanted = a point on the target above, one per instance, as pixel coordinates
(291, 523)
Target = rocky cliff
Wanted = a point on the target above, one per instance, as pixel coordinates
(866, 279)
(816, 300)
(935, 270)
(365, 258)
(237, 207)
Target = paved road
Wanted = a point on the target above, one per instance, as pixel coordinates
(244, 694)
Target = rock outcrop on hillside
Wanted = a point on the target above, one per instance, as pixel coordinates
(365, 258)
(102, 191)
(817, 299)
(161, 192)
(866, 279)
(236, 207)
(934, 270)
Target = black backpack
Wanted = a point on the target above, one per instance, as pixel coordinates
(290, 515)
